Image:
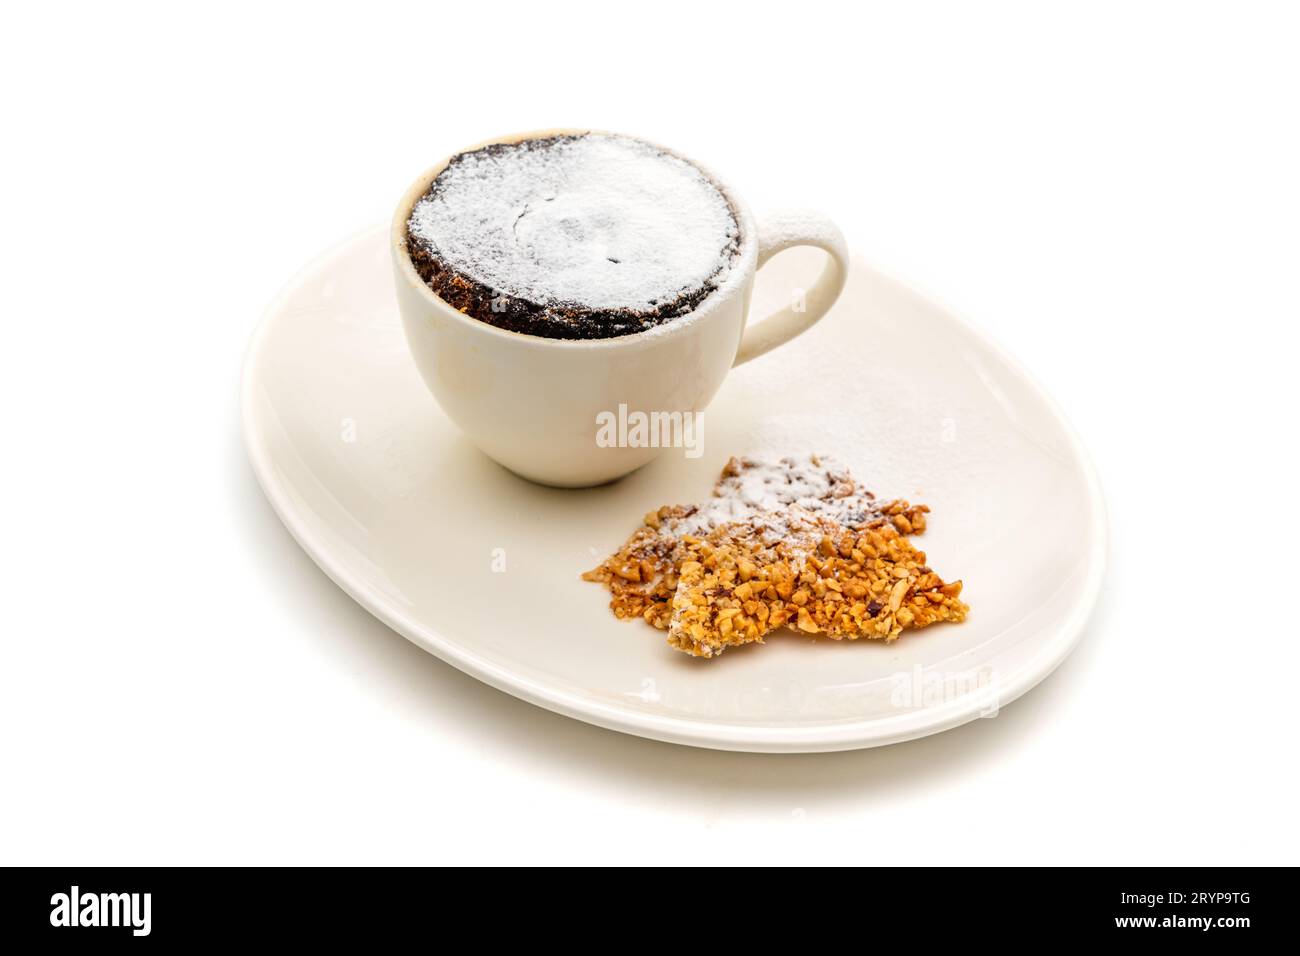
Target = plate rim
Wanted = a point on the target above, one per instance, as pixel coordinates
(758, 738)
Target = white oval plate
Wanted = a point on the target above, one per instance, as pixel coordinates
(481, 568)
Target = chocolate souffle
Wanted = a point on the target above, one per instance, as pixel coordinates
(580, 236)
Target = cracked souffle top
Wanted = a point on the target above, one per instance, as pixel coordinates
(576, 236)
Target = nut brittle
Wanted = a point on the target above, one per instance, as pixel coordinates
(874, 584)
(786, 543)
(733, 588)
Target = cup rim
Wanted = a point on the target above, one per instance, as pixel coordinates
(745, 266)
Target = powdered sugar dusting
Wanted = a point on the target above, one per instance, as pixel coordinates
(771, 493)
(596, 221)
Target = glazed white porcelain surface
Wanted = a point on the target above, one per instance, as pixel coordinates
(534, 404)
(480, 567)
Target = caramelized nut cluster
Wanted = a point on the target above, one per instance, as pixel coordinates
(800, 568)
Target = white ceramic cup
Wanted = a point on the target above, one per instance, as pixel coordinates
(536, 405)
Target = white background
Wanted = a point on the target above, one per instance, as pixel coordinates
(1111, 190)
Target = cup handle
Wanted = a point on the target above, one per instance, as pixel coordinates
(807, 306)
